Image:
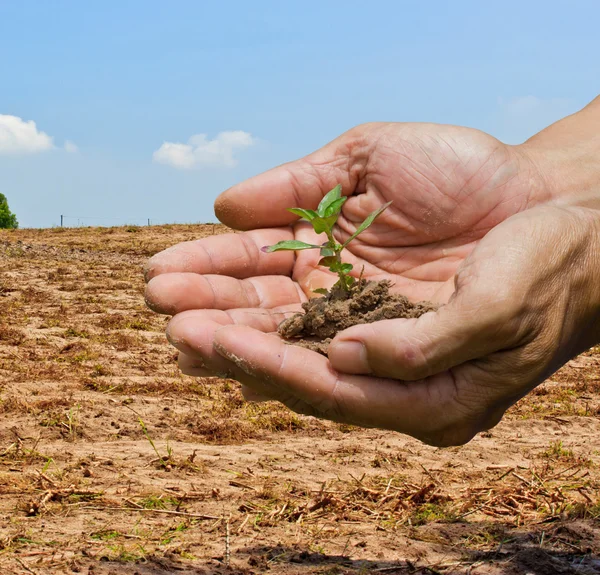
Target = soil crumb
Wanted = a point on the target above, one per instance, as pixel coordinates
(365, 302)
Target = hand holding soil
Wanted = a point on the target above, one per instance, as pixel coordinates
(349, 301)
(495, 233)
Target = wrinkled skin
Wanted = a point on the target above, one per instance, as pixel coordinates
(474, 224)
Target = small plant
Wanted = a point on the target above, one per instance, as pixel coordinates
(164, 462)
(72, 424)
(323, 220)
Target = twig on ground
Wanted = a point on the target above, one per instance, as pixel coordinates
(163, 511)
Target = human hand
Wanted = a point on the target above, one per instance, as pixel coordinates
(450, 186)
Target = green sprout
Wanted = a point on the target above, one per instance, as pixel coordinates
(323, 221)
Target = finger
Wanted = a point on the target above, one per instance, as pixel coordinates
(425, 409)
(412, 349)
(262, 201)
(174, 293)
(235, 255)
(188, 325)
(194, 343)
(487, 313)
(258, 389)
(254, 391)
(192, 333)
(192, 366)
(196, 368)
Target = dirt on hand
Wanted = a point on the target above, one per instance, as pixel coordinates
(365, 302)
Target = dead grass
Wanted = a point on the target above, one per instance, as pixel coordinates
(10, 335)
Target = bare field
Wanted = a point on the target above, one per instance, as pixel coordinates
(113, 462)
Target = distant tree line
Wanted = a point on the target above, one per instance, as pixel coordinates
(8, 220)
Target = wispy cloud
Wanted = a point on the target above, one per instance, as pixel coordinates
(202, 152)
(18, 136)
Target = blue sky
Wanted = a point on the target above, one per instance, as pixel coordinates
(107, 83)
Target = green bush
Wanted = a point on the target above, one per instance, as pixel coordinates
(8, 220)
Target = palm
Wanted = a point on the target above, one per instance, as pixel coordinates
(449, 186)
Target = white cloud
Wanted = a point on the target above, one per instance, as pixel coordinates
(70, 147)
(20, 137)
(522, 117)
(202, 152)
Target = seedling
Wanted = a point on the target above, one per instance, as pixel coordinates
(323, 221)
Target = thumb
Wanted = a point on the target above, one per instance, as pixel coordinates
(489, 311)
(505, 292)
(262, 201)
(410, 349)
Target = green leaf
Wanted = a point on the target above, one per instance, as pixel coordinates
(326, 251)
(289, 245)
(328, 261)
(335, 266)
(334, 208)
(329, 198)
(345, 283)
(368, 221)
(321, 225)
(322, 291)
(308, 215)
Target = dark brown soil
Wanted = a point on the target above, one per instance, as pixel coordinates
(366, 302)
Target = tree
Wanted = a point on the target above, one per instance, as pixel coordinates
(8, 220)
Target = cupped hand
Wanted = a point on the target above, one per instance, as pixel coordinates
(449, 186)
(440, 378)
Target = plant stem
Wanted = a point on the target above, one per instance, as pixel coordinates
(338, 257)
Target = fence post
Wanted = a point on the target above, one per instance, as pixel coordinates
(148, 221)
(61, 221)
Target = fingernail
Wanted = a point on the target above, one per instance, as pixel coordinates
(349, 357)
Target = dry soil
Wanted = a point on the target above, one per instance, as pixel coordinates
(111, 461)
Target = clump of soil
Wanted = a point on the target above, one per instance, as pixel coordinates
(365, 302)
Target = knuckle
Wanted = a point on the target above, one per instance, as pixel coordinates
(410, 360)
(250, 250)
(332, 406)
